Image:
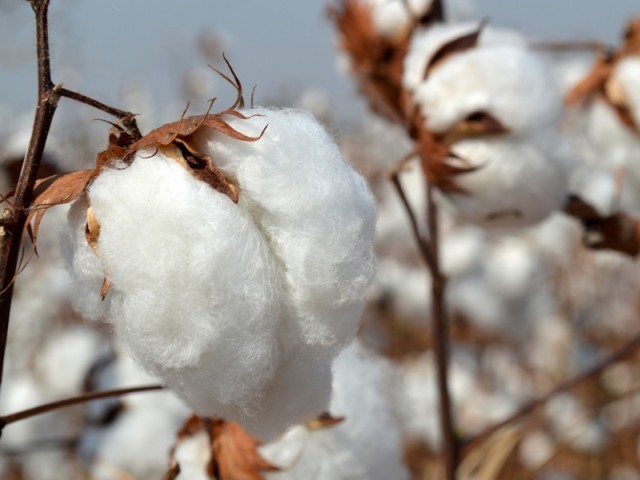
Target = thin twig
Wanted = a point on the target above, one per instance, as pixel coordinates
(47, 101)
(630, 348)
(68, 402)
(127, 118)
(440, 333)
(429, 250)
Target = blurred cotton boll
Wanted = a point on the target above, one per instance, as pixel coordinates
(516, 183)
(238, 308)
(427, 41)
(366, 445)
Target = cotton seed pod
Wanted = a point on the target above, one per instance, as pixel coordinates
(238, 308)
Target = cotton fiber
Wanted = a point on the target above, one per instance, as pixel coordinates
(239, 308)
(366, 445)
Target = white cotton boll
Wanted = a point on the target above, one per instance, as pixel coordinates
(516, 184)
(65, 359)
(571, 423)
(392, 19)
(193, 294)
(193, 454)
(510, 82)
(367, 445)
(536, 449)
(512, 267)
(137, 445)
(478, 302)
(316, 211)
(406, 288)
(627, 75)
(426, 42)
(462, 251)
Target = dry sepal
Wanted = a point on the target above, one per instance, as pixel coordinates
(217, 450)
(377, 56)
(603, 80)
(233, 260)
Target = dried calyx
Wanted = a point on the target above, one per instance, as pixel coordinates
(601, 81)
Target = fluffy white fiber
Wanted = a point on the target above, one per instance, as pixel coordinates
(239, 309)
(427, 41)
(392, 18)
(516, 183)
(367, 445)
(627, 74)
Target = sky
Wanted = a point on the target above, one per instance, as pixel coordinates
(108, 47)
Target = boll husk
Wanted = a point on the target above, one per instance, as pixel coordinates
(238, 308)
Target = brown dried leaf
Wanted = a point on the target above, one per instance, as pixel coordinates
(377, 61)
(619, 232)
(434, 14)
(56, 190)
(453, 47)
(631, 43)
(235, 453)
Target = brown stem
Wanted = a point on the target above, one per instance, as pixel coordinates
(68, 402)
(128, 118)
(429, 250)
(47, 100)
(630, 348)
(440, 327)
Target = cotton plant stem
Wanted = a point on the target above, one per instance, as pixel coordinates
(440, 333)
(626, 351)
(68, 402)
(13, 219)
(12, 232)
(429, 250)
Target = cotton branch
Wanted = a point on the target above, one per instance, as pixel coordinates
(626, 351)
(430, 252)
(69, 402)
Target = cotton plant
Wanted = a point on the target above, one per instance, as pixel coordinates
(232, 253)
(366, 444)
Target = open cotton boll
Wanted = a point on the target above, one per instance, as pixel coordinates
(510, 82)
(425, 42)
(193, 292)
(317, 213)
(393, 18)
(516, 183)
(366, 445)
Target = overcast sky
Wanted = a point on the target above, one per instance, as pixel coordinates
(283, 46)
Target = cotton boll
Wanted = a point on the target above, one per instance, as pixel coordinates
(317, 213)
(405, 287)
(195, 302)
(426, 42)
(512, 268)
(462, 251)
(366, 445)
(137, 445)
(536, 449)
(510, 82)
(514, 185)
(193, 455)
(65, 359)
(627, 75)
(392, 19)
